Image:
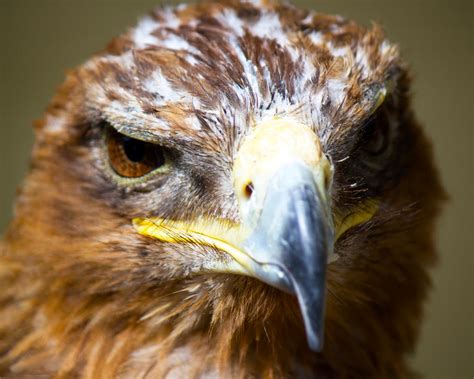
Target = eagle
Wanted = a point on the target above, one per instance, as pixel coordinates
(230, 189)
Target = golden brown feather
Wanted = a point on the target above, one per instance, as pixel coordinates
(84, 295)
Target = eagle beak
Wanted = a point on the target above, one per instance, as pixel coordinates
(282, 182)
(292, 241)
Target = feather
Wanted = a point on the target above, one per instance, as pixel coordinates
(84, 295)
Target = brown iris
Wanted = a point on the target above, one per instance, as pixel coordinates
(132, 158)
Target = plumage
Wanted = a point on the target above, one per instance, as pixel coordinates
(85, 295)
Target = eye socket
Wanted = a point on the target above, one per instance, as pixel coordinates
(376, 137)
(130, 157)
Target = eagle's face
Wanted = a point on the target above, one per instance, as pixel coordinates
(213, 145)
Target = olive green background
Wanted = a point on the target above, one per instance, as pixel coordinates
(40, 39)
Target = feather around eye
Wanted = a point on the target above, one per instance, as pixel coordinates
(130, 157)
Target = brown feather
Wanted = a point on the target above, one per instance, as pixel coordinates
(83, 295)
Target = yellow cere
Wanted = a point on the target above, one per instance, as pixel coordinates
(272, 144)
(269, 147)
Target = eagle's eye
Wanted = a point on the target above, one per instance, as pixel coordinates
(378, 141)
(376, 144)
(130, 157)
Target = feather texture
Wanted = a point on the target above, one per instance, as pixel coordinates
(83, 295)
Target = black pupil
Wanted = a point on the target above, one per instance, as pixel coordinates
(134, 150)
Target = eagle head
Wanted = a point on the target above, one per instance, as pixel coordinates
(229, 188)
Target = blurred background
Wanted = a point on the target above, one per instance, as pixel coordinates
(41, 39)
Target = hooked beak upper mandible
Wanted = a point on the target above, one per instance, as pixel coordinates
(282, 180)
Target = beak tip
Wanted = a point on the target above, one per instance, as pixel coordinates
(315, 343)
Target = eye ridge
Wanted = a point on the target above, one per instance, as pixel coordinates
(130, 157)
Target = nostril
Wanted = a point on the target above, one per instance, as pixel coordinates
(248, 190)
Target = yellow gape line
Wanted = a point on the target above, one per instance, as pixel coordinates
(202, 232)
(362, 214)
(227, 238)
